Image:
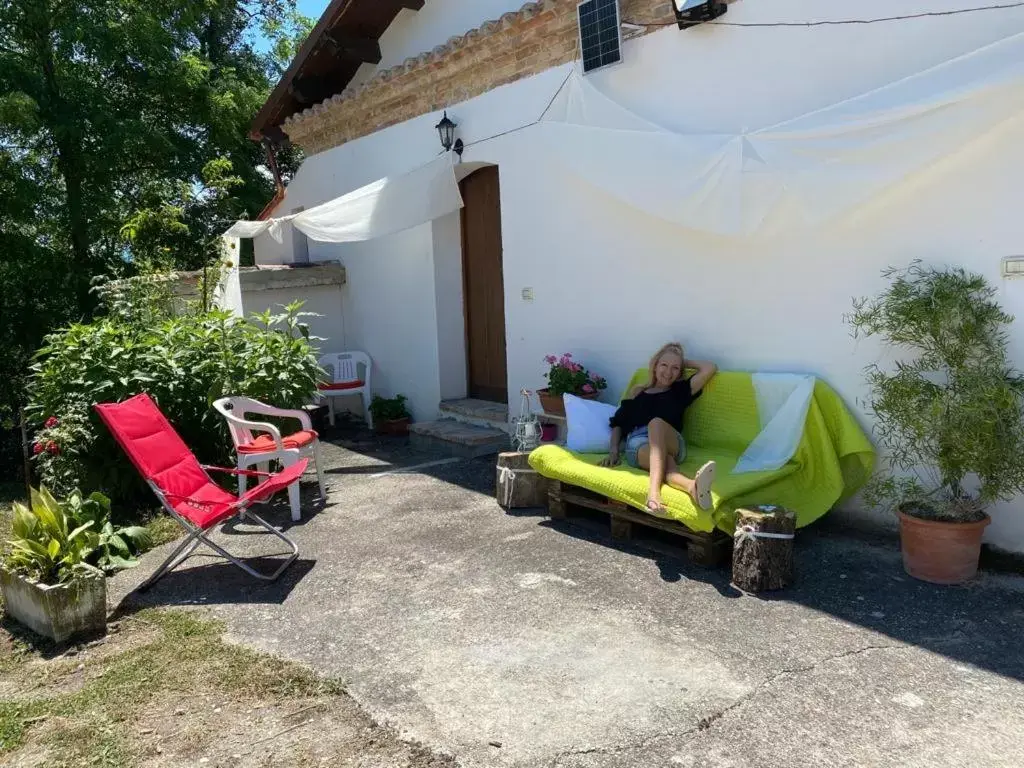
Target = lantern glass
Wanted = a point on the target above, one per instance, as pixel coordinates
(446, 132)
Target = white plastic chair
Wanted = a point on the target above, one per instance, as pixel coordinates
(343, 369)
(261, 450)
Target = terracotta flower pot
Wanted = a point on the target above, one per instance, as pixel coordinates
(941, 552)
(393, 427)
(554, 405)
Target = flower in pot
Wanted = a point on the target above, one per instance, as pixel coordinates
(950, 416)
(390, 415)
(52, 579)
(566, 376)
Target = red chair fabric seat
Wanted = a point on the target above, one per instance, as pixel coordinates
(265, 443)
(341, 386)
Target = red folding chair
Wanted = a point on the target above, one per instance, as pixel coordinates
(183, 485)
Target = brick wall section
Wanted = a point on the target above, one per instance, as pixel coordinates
(537, 37)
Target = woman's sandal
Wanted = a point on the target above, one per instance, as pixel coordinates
(655, 507)
(702, 482)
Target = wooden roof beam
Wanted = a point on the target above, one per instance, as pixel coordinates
(364, 49)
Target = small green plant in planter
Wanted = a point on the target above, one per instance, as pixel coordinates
(950, 416)
(52, 579)
(390, 415)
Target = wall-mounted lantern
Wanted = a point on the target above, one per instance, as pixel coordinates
(446, 131)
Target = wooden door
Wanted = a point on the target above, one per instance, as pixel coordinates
(483, 286)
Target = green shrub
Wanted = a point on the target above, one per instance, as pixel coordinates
(184, 363)
(389, 408)
(950, 414)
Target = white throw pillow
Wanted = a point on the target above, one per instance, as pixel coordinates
(586, 423)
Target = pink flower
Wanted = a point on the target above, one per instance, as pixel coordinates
(52, 448)
(568, 354)
(550, 359)
(588, 389)
(51, 422)
(38, 448)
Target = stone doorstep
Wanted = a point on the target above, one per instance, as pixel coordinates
(480, 413)
(458, 438)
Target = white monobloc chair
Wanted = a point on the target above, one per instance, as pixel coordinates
(345, 379)
(264, 448)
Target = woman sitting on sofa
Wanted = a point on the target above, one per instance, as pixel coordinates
(650, 418)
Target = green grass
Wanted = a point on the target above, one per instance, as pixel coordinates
(94, 724)
(163, 528)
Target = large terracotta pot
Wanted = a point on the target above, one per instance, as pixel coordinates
(941, 552)
(554, 405)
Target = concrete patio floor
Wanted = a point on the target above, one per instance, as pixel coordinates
(506, 640)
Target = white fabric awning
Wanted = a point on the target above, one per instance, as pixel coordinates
(800, 172)
(384, 207)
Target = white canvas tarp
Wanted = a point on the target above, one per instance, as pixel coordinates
(382, 208)
(800, 172)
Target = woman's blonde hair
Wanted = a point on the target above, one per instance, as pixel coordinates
(676, 349)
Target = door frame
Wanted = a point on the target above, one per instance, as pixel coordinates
(465, 281)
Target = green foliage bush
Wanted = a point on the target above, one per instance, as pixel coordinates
(950, 415)
(389, 408)
(54, 542)
(184, 363)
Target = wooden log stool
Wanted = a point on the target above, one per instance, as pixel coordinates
(518, 485)
(762, 554)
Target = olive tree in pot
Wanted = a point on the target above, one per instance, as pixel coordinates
(950, 415)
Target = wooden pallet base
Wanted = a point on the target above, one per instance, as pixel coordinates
(708, 549)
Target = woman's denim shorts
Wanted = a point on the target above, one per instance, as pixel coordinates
(640, 437)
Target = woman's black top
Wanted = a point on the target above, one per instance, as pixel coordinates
(669, 405)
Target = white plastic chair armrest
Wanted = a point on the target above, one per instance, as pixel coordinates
(268, 410)
(260, 426)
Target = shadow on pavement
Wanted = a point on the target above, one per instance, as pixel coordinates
(207, 579)
(862, 583)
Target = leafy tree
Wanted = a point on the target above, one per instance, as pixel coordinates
(123, 145)
(950, 412)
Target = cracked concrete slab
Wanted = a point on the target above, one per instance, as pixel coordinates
(465, 627)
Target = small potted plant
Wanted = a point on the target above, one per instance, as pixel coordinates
(950, 416)
(390, 415)
(566, 376)
(53, 578)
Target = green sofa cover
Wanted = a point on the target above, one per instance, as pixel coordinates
(834, 459)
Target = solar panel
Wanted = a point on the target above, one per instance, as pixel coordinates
(600, 34)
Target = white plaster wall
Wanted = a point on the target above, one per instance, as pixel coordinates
(416, 32)
(449, 307)
(322, 300)
(612, 283)
(388, 311)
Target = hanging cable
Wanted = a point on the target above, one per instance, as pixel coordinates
(542, 114)
(837, 22)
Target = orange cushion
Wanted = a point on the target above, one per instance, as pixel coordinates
(265, 443)
(342, 385)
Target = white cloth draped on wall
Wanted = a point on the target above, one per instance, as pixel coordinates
(783, 400)
(382, 208)
(801, 172)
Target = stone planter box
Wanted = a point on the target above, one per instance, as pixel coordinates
(57, 611)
